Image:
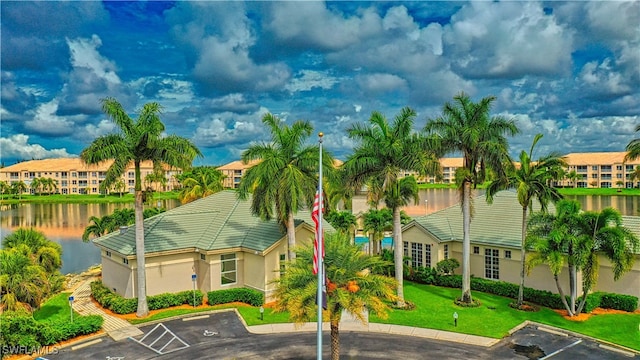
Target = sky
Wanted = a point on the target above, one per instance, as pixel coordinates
(569, 70)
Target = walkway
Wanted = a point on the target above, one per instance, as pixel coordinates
(116, 328)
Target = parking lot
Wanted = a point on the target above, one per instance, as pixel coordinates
(223, 336)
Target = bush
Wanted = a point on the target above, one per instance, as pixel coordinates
(593, 301)
(446, 267)
(245, 295)
(619, 302)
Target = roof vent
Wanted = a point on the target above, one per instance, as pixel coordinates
(123, 229)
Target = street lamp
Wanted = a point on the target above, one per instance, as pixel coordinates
(71, 306)
(261, 313)
(426, 211)
(455, 319)
(193, 278)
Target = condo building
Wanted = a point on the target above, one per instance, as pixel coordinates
(601, 170)
(73, 176)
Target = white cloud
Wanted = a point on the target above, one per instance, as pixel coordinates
(17, 147)
(45, 121)
(308, 79)
(379, 83)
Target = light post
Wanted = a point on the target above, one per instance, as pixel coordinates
(455, 319)
(426, 211)
(261, 313)
(71, 306)
(193, 278)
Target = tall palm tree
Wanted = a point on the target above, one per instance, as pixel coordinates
(376, 222)
(200, 182)
(384, 151)
(36, 185)
(351, 286)
(50, 185)
(138, 140)
(285, 178)
(609, 238)
(467, 128)
(531, 180)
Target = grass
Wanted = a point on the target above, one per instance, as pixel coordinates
(81, 199)
(56, 308)
(494, 318)
(599, 191)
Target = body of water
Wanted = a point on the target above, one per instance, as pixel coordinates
(64, 224)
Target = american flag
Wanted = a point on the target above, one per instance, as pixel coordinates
(318, 244)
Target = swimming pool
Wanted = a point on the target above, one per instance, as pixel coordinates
(387, 241)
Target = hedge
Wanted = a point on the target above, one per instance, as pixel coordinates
(21, 329)
(120, 305)
(541, 297)
(245, 295)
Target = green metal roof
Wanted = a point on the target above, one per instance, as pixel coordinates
(498, 224)
(216, 222)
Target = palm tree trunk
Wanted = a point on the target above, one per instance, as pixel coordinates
(335, 339)
(291, 236)
(466, 242)
(583, 301)
(522, 256)
(562, 297)
(573, 284)
(143, 309)
(398, 254)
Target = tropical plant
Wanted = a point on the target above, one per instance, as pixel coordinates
(36, 185)
(29, 265)
(531, 180)
(285, 177)
(18, 188)
(98, 227)
(633, 148)
(5, 188)
(49, 185)
(573, 176)
(608, 237)
(200, 182)
(338, 191)
(119, 186)
(466, 127)
(384, 151)
(138, 140)
(635, 174)
(351, 286)
(156, 177)
(375, 223)
(343, 221)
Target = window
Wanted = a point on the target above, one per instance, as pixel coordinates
(74, 182)
(446, 251)
(606, 177)
(131, 174)
(618, 167)
(618, 176)
(605, 184)
(228, 266)
(73, 174)
(581, 184)
(594, 176)
(64, 183)
(283, 258)
(416, 255)
(406, 248)
(507, 254)
(94, 174)
(594, 167)
(82, 174)
(125, 261)
(606, 168)
(427, 255)
(203, 257)
(629, 167)
(476, 250)
(108, 253)
(491, 264)
(582, 168)
(94, 182)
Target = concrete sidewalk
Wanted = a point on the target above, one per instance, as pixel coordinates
(378, 328)
(116, 328)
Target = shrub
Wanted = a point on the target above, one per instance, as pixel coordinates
(592, 302)
(446, 267)
(619, 302)
(245, 295)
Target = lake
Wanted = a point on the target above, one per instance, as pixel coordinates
(65, 223)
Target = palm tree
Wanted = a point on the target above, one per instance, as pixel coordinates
(376, 222)
(531, 180)
(4, 187)
(609, 238)
(41, 250)
(119, 186)
(138, 140)
(339, 191)
(200, 182)
(49, 185)
(635, 175)
(22, 283)
(351, 286)
(18, 188)
(98, 227)
(573, 176)
(343, 221)
(556, 240)
(285, 178)
(633, 148)
(385, 150)
(36, 185)
(466, 127)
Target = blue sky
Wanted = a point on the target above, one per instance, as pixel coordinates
(569, 70)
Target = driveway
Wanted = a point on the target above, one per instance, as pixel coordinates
(223, 336)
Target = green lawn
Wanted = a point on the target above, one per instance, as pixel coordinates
(81, 199)
(57, 307)
(435, 308)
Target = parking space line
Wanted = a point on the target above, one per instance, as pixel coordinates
(561, 350)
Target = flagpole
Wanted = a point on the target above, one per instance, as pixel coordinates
(320, 238)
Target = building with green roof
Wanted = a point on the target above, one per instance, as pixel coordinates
(495, 245)
(217, 238)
